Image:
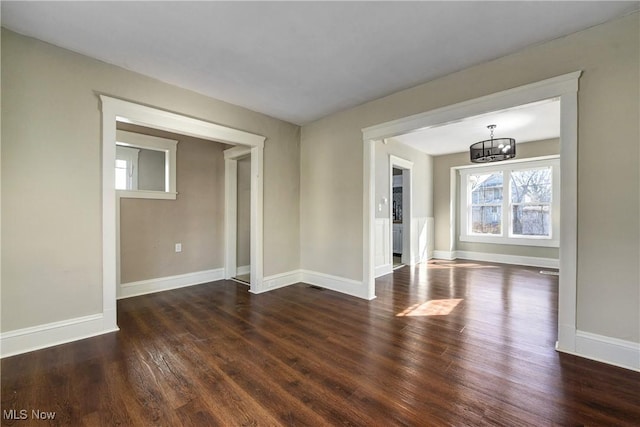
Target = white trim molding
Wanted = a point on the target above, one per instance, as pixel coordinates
(530, 261)
(281, 280)
(55, 333)
(445, 255)
(327, 281)
(146, 194)
(614, 351)
(143, 287)
(336, 283)
(383, 270)
(564, 87)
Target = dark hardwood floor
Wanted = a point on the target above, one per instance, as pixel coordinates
(452, 343)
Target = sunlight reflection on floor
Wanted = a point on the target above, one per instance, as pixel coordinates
(436, 307)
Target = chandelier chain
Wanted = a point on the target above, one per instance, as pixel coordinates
(491, 128)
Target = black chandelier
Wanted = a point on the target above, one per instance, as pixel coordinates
(493, 150)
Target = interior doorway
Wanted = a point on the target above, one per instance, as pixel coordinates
(400, 212)
(243, 194)
(400, 202)
(565, 87)
(243, 220)
(112, 110)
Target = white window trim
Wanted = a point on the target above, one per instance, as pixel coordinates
(506, 167)
(148, 142)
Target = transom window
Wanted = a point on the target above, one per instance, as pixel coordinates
(126, 168)
(511, 203)
(145, 166)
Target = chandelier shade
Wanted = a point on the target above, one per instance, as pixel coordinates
(492, 150)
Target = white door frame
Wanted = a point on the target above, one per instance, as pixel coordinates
(564, 87)
(114, 109)
(408, 256)
(231, 157)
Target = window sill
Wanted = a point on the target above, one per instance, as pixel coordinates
(500, 240)
(146, 194)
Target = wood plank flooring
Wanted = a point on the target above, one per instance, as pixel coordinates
(445, 344)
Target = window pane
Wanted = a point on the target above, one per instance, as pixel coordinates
(486, 188)
(121, 179)
(531, 220)
(531, 186)
(121, 163)
(486, 219)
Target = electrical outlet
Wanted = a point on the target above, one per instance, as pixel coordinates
(178, 247)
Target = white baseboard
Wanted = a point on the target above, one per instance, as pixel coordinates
(327, 281)
(566, 342)
(336, 283)
(54, 333)
(383, 270)
(281, 280)
(446, 255)
(617, 352)
(143, 287)
(245, 269)
(509, 259)
(500, 258)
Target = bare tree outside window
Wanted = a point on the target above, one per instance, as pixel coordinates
(486, 203)
(531, 194)
(514, 203)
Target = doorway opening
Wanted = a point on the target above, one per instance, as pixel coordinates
(114, 110)
(396, 216)
(564, 87)
(243, 220)
(400, 196)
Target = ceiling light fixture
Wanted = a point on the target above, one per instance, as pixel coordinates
(493, 150)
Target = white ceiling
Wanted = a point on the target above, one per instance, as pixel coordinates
(300, 61)
(526, 123)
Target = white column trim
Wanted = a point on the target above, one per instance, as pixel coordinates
(568, 253)
(257, 206)
(368, 222)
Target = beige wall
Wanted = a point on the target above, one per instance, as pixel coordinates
(151, 170)
(608, 185)
(149, 229)
(441, 201)
(243, 248)
(51, 211)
